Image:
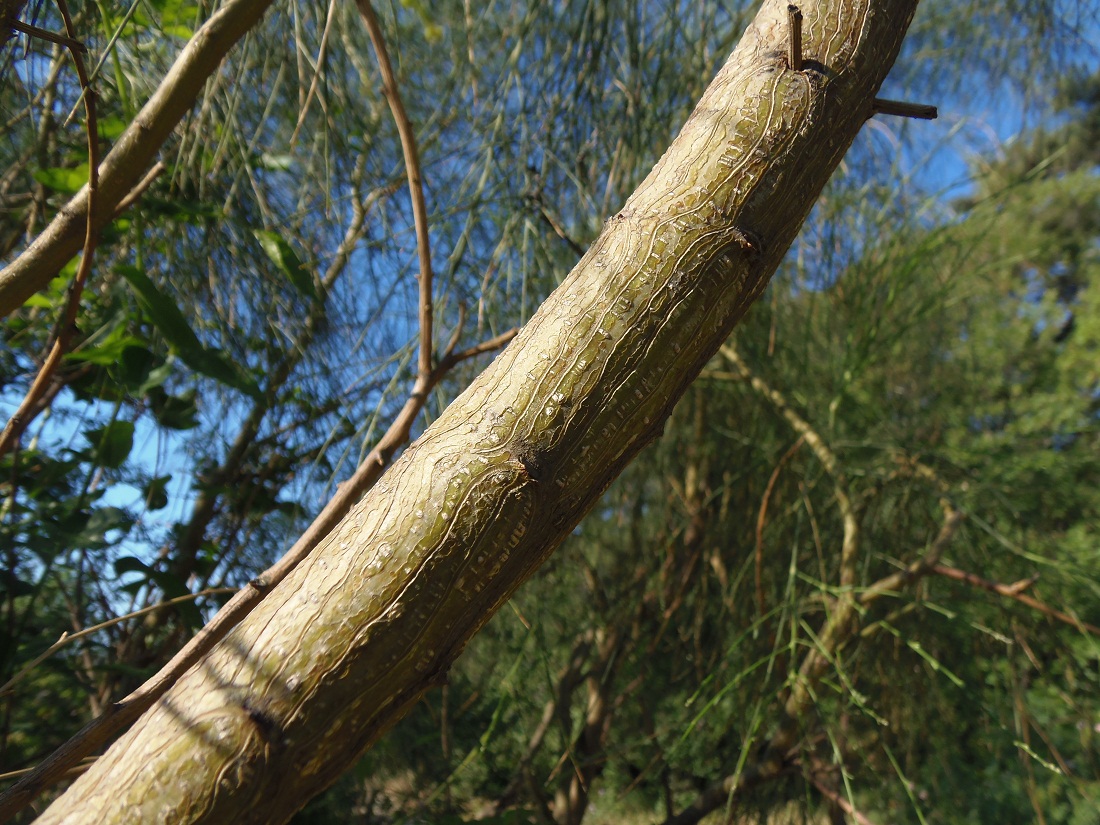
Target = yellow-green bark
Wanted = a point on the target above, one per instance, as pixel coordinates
(377, 614)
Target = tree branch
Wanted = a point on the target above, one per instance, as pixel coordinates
(376, 616)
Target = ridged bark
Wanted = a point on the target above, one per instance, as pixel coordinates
(377, 614)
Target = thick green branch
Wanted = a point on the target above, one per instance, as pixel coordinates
(351, 639)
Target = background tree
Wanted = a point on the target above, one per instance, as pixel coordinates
(186, 437)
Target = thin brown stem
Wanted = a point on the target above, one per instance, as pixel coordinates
(761, 520)
(838, 800)
(416, 186)
(1014, 591)
(140, 187)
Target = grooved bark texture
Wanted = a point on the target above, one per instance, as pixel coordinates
(380, 610)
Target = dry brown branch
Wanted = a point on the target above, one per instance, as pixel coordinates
(900, 108)
(416, 186)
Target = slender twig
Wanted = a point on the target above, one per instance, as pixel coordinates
(19, 421)
(330, 16)
(416, 186)
(761, 520)
(71, 43)
(71, 773)
(140, 188)
(1014, 591)
(838, 800)
(121, 714)
(828, 459)
(68, 638)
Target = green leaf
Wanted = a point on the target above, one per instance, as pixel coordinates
(155, 493)
(130, 564)
(112, 443)
(282, 254)
(109, 350)
(60, 179)
(176, 412)
(103, 520)
(172, 324)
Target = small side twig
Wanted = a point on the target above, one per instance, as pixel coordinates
(921, 111)
(1014, 591)
(416, 185)
(794, 44)
(71, 773)
(838, 800)
(139, 189)
(71, 43)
